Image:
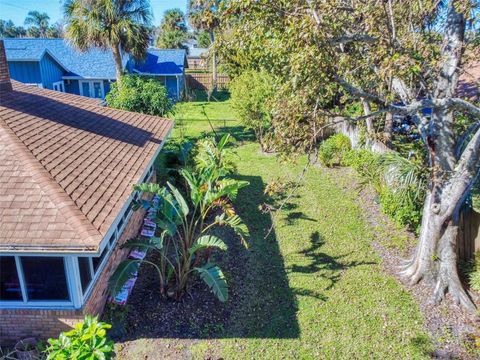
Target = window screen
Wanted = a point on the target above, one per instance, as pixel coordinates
(45, 278)
(85, 273)
(9, 282)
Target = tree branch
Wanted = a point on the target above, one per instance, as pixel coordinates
(465, 172)
(461, 141)
(345, 39)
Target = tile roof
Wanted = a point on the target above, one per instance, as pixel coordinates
(94, 63)
(67, 166)
(162, 61)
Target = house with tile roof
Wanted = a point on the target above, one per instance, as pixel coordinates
(56, 65)
(67, 166)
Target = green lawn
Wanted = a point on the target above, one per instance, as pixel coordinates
(314, 288)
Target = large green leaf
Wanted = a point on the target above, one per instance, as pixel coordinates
(207, 241)
(125, 271)
(213, 276)
(194, 185)
(223, 141)
(150, 188)
(180, 200)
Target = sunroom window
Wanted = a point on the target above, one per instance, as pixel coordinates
(97, 261)
(45, 278)
(85, 272)
(9, 282)
(34, 279)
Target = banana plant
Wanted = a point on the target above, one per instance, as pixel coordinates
(184, 236)
(184, 242)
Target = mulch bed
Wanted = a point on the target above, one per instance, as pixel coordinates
(198, 314)
(452, 328)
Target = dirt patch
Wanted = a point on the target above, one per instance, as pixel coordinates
(453, 329)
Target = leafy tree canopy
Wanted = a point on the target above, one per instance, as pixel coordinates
(173, 30)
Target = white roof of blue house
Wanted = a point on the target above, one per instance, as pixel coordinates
(94, 63)
(163, 62)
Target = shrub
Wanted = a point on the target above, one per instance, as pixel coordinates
(86, 341)
(399, 182)
(400, 208)
(140, 94)
(366, 163)
(251, 95)
(472, 270)
(332, 150)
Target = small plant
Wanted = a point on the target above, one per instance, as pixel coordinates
(87, 340)
(401, 209)
(332, 150)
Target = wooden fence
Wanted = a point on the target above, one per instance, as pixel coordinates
(469, 234)
(203, 81)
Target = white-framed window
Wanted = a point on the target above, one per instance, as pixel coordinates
(35, 281)
(39, 85)
(59, 86)
(92, 88)
(55, 280)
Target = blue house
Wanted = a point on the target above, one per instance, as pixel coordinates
(56, 65)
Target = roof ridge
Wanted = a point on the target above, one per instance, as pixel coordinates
(74, 217)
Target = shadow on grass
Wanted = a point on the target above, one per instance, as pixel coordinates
(202, 96)
(261, 303)
(324, 265)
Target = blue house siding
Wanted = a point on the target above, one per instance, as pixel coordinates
(171, 85)
(25, 71)
(106, 86)
(72, 87)
(50, 71)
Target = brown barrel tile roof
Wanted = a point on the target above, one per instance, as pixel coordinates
(67, 166)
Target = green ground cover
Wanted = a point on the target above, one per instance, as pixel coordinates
(314, 287)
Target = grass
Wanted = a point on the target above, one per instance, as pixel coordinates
(314, 287)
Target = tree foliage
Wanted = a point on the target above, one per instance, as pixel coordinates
(173, 30)
(140, 94)
(397, 57)
(119, 25)
(252, 94)
(9, 30)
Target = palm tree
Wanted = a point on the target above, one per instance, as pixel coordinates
(38, 23)
(203, 15)
(121, 25)
(173, 30)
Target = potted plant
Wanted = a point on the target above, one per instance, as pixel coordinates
(26, 349)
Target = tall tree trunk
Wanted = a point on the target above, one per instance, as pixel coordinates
(435, 259)
(388, 129)
(118, 62)
(214, 61)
